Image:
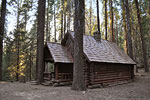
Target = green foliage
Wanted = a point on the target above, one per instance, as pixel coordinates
(19, 44)
(28, 38)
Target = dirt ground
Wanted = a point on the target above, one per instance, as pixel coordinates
(137, 90)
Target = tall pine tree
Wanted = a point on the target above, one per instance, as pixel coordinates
(40, 38)
(2, 23)
(79, 29)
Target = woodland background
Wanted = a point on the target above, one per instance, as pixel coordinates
(126, 23)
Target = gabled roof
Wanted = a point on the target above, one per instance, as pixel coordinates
(59, 53)
(93, 50)
(103, 52)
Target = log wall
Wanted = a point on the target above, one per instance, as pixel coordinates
(64, 72)
(86, 72)
(107, 73)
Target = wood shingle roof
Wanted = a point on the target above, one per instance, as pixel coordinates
(94, 50)
(105, 51)
(59, 53)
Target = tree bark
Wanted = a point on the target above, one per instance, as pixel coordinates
(112, 21)
(129, 41)
(142, 36)
(55, 21)
(47, 22)
(79, 28)
(37, 60)
(90, 17)
(49, 36)
(105, 19)
(36, 71)
(98, 21)
(30, 64)
(125, 26)
(69, 16)
(40, 32)
(25, 28)
(2, 25)
(136, 48)
(64, 23)
(116, 33)
(149, 7)
(62, 18)
(18, 39)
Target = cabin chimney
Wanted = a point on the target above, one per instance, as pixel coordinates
(96, 36)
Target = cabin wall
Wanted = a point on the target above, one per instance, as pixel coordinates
(65, 68)
(107, 73)
(63, 72)
(69, 44)
(86, 71)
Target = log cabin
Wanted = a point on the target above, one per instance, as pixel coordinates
(104, 62)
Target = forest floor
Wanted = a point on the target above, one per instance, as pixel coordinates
(137, 90)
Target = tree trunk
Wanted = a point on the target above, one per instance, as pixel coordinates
(136, 48)
(105, 19)
(142, 36)
(55, 22)
(149, 7)
(49, 36)
(79, 28)
(47, 22)
(37, 59)
(25, 28)
(69, 16)
(40, 32)
(112, 21)
(129, 41)
(116, 31)
(2, 25)
(98, 21)
(135, 41)
(62, 20)
(64, 23)
(90, 17)
(125, 26)
(30, 64)
(18, 40)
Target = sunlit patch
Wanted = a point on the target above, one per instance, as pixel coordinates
(3, 82)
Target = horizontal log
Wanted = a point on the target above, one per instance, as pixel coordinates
(109, 81)
(112, 74)
(112, 78)
(109, 75)
(106, 72)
